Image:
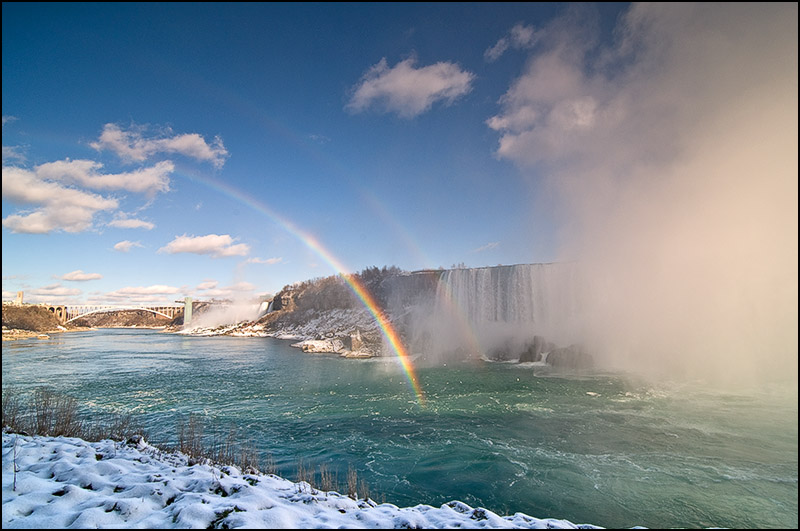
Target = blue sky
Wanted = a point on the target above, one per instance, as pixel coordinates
(414, 188)
(153, 151)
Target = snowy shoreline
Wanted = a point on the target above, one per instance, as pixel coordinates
(325, 332)
(65, 482)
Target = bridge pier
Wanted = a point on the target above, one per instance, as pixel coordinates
(187, 311)
(60, 312)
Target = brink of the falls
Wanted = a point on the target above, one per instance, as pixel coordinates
(489, 312)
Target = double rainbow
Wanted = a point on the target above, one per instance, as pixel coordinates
(352, 281)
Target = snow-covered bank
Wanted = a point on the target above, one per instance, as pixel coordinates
(67, 482)
(328, 331)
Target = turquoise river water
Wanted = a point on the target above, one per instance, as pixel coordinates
(601, 449)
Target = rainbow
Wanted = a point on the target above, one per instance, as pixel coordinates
(445, 296)
(352, 281)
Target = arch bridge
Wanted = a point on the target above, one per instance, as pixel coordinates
(66, 314)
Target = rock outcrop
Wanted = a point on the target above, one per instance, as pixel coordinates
(24, 321)
(348, 346)
(534, 351)
(31, 317)
(573, 357)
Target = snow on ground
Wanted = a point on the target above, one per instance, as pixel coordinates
(318, 332)
(331, 322)
(70, 483)
(312, 325)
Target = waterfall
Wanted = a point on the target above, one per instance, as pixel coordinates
(528, 293)
(484, 309)
(264, 308)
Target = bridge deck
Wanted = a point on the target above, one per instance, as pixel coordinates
(68, 313)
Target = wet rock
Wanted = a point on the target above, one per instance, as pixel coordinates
(501, 353)
(534, 350)
(573, 357)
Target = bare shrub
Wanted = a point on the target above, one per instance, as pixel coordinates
(190, 436)
(352, 482)
(51, 413)
(268, 464)
(356, 485)
(123, 425)
(55, 414)
(248, 459)
(304, 475)
(117, 427)
(364, 488)
(12, 410)
(223, 448)
(327, 478)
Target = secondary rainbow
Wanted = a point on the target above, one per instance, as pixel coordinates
(352, 282)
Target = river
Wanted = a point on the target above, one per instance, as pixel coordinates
(604, 449)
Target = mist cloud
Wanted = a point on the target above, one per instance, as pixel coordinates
(673, 154)
(520, 36)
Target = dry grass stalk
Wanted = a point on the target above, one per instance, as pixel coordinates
(327, 478)
(352, 482)
(54, 414)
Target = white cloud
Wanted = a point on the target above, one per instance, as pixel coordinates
(494, 52)
(55, 190)
(409, 91)
(208, 284)
(54, 293)
(519, 37)
(147, 181)
(155, 294)
(131, 145)
(235, 291)
(125, 245)
(242, 286)
(523, 36)
(156, 289)
(488, 246)
(216, 245)
(59, 208)
(131, 223)
(80, 276)
(13, 155)
(269, 261)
